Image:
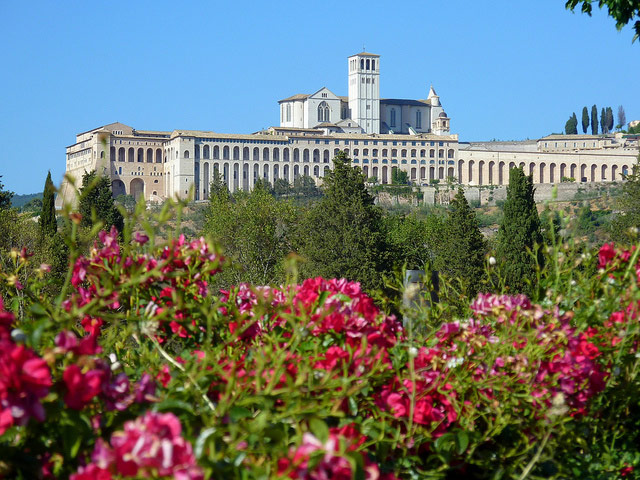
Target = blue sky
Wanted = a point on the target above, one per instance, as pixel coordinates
(504, 69)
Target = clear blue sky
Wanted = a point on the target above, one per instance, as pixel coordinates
(504, 69)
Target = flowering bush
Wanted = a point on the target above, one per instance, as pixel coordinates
(140, 370)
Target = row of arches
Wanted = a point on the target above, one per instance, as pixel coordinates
(136, 188)
(133, 155)
(497, 172)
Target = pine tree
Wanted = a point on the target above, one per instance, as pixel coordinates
(603, 120)
(594, 120)
(48, 224)
(585, 120)
(622, 117)
(571, 127)
(465, 245)
(519, 232)
(609, 119)
(5, 197)
(343, 235)
(96, 199)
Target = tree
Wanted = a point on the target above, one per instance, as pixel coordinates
(305, 186)
(622, 117)
(253, 229)
(413, 241)
(622, 11)
(48, 224)
(465, 246)
(399, 177)
(585, 119)
(629, 206)
(594, 120)
(5, 197)
(571, 127)
(603, 120)
(96, 203)
(519, 232)
(343, 235)
(609, 119)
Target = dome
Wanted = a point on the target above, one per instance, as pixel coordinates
(442, 115)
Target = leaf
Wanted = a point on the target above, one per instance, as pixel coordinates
(202, 440)
(445, 442)
(353, 407)
(463, 441)
(173, 404)
(319, 429)
(238, 413)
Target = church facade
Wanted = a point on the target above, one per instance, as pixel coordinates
(378, 134)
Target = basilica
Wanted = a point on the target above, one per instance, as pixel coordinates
(378, 134)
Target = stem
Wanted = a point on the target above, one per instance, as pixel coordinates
(173, 362)
(535, 458)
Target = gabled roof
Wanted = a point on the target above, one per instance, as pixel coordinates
(297, 96)
(432, 93)
(323, 88)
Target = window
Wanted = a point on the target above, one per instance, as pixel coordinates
(392, 117)
(288, 112)
(323, 112)
(373, 64)
(418, 119)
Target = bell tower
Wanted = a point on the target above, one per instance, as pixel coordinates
(364, 91)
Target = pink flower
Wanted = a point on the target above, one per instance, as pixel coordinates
(91, 472)
(606, 255)
(81, 387)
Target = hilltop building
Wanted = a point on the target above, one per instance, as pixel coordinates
(378, 134)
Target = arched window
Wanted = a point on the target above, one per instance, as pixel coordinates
(392, 118)
(367, 64)
(186, 154)
(323, 112)
(418, 119)
(373, 64)
(362, 64)
(288, 112)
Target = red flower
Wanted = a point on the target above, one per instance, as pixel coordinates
(81, 388)
(606, 255)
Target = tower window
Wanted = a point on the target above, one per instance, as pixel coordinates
(418, 119)
(373, 64)
(362, 63)
(392, 118)
(367, 64)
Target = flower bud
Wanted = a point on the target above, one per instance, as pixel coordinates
(492, 261)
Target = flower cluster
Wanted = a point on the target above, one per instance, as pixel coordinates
(25, 379)
(149, 446)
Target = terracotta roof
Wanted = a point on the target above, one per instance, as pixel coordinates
(364, 54)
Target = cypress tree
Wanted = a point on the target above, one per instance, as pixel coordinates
(609, 119)
(519, 232)
(48, 225)
(465, 245)
(585, 120)
(96, 197)
(603, 120)
(343, 235)
(5, 197)
(594, 120)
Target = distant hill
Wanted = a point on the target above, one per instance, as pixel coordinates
(19, 200)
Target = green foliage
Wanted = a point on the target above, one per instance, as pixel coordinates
(622, 116)
(622, 11)
(624, 228)
(414, 242)
(5, 197)
(464, 247)
(128, 202)
(603, 120)
(609, 115)
(594, 120)
(254, 230)
(585, 120)
(343, 234)
(399, 177)
(571, 127)
(567, 180)
(305, 186)
(519, 233)
(96, 203)
(48, 223)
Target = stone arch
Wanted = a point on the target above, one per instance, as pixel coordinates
(225, 153)
(305, 155)
(614, 171)
(563, 171)
(541, 177)
(316, 171)
(158, 155)
(583, 173)
(285, 154)
(480, 172)
(492, 164)
(375, 172)
(501, 173)
(450, 172)
(325, 156)
(265, 154)
(136, 187)
(296, 154)
(140, 156)
(285, 172)
(225, 175)
(256, 154)
(573, 169)
(118, 188)
(149, 155)
(470, 178)
(236, 153)
(121, 154)
(265, 171)
(603, 173)
(423, 173)
(236, 176)
(276, 154)
(205, 152)
(594, 168)
(130, 154)
(414, 173)
(112, 154)
(316, 155)
(276, 172)
(245, 154)
(365, 171)
(460, 170)
(216, 152)
(206, 180)
(296, 171)
(186, 154)
(552, 171)
(196, 151)
(306, 171)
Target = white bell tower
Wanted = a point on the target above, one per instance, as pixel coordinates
(364, 91)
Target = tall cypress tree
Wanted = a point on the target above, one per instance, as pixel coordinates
(585, 120)
(609, 119)
(519, 232)
(465, 246)
(343, 235)
(96, 196)
(594, 120)
(603, 120)
(5, 197)
(48, 225)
